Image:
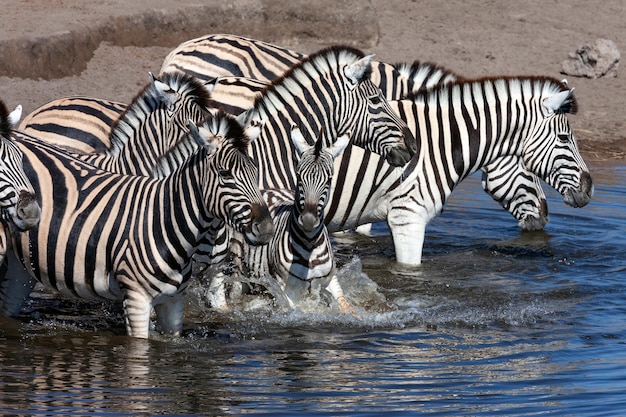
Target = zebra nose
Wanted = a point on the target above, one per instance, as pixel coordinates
(308, 221)
(581, 196)
(28, 211)
(401, 155)
(532, 223)
(262, 226)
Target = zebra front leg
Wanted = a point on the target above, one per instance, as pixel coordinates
(137, 309)
(408, 235)
(336, 291)
(169, 313)
(16, 285)
(216, 293)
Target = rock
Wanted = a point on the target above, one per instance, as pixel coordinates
(592, 61)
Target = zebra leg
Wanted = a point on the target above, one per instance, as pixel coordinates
(408, 234)
(137, 309)
(16, 285)
(336, 291)
(169, 313)
(216, 293)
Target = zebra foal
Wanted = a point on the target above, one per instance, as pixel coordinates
(107, 235)
(299, 258)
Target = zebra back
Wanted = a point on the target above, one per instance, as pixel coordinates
(132, 237)
(78, 124)
(221, 55)
(151, 124)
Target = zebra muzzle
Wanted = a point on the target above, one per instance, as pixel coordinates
(27, 211)
(581, 196)
(401, 155)
(261, 228)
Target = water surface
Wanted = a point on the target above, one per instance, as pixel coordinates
(495, 322)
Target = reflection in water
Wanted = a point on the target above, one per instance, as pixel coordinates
(495, 322)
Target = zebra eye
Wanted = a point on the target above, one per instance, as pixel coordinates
(224, 173)
(564, 138)
(375, 99)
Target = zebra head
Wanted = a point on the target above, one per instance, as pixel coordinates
(184, 98)
(368, 115)
(550, 151)
(517, 190)
(17, 196)
(161, 110)
(313, 176)
(233, 193)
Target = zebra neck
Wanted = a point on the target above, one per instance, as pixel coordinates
(137, 138)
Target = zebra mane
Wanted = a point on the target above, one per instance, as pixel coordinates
(538, 85)
(148, 100)
(221, 125)
(5, 124)
(425, 75)
(300, 75)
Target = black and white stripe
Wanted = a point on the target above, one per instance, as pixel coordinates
(132, 237)
(148, 128)
(460, 128)
(507, 181)
(298, 263)
(18, 205)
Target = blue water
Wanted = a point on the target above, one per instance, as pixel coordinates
(495, 322)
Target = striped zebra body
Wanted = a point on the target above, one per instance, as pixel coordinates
(149, 127)
(77, 124)
(222, 55)
(299, 259)
(129, 237)
(461, 127)
(507, 181)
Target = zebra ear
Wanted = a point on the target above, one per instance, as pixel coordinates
(339, 145)
(251, 127)
(210, 84)
(245, 118)
(558, 101)
(298, 140)
(357, 70)
(204, 138)
(165, 92)
(15, 116)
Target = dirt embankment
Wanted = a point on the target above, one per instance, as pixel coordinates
(57, 48)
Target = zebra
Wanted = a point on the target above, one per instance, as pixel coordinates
(507, 181)
(107, 235)
(147, 128)
(18, 203)
(299, 259)
(223, 55)
(19, 208)
(462, 127)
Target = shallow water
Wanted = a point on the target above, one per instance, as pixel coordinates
(495, 322)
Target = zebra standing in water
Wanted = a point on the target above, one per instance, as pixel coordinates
(462, 127)
(507, 180)
(299, 258)
(107, 235)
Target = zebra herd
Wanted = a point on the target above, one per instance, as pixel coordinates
(246, 155)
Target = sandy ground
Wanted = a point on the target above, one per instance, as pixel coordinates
(106, 47)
